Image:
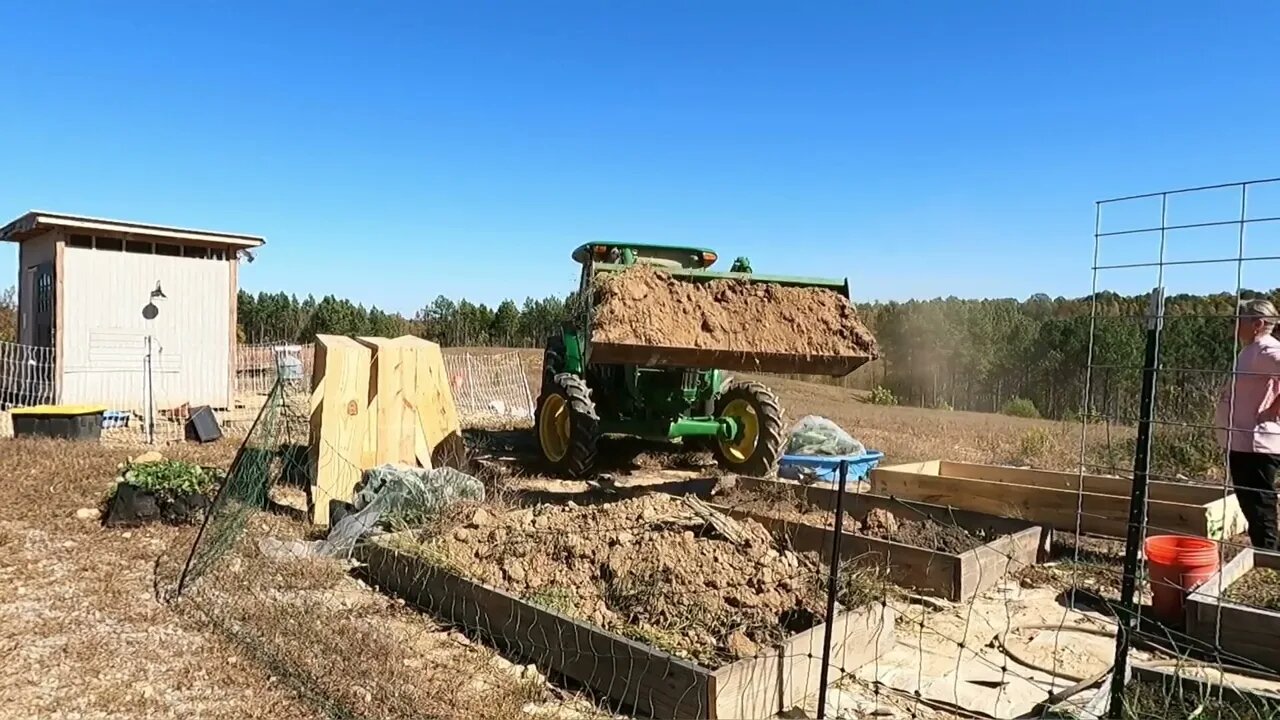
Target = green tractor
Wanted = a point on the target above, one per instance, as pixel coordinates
(591, 388)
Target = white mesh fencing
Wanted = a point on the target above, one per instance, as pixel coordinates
(26, 375)
(257, 366)
(489, 388)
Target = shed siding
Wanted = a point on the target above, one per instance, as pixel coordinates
(105, 343)
(33, 252)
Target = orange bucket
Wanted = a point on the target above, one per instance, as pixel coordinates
(1179, 564)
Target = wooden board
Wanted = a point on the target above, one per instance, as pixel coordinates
(392, 404)
(440, 442)
(637, 675)
(951, 576)
(1250, 636)
(339, 421)
(1053, 499)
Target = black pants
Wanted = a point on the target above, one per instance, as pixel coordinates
(1254, 478)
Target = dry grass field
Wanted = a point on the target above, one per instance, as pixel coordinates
(84, 635)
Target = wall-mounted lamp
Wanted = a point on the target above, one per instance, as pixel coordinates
(158, 294)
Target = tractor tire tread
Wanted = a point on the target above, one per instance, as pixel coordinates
(764, 463)
(580, 460)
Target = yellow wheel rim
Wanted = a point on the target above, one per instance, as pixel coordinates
(553, 428)
(742, 448)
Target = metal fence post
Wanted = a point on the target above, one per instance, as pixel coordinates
(833, 587)
(1128, 620)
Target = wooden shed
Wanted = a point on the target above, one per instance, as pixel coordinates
(134, 313)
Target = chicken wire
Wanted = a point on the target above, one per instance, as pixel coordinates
(489, 387)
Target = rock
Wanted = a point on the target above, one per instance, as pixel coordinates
(126, 535)
(147, 457)
(460, 638)
(501, 663)
(481, 517)
(461, 534)
(88, 514)
(529, 673)
(741, 645)
(880, 521)
(514, 570)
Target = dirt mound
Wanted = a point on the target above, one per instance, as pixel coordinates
(650, 568)
(645, 306)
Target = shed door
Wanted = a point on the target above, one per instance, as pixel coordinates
(43, 303)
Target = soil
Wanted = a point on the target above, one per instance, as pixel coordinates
(1260, 587)
(927, 533)
(881, 524)
(647, 567)
(645, 306)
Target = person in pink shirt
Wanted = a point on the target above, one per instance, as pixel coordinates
(1248, 420)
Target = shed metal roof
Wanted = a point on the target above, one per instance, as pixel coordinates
(37, 222)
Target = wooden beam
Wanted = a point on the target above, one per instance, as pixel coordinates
(59, 313)
(1246, 635)
(1096, 513)
(1163, 491)
(233, 281)
(339, 421)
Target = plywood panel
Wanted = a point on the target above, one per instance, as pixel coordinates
(441, 441)
(386, 402)
(339, 420)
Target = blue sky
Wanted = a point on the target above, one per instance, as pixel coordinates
(394, 152)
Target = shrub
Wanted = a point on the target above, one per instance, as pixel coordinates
(1021, 407)
(882, 395)
(943, 405)
(1033, 446)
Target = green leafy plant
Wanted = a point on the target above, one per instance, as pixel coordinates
(171, 477)
(1020, 407)
(881, 395)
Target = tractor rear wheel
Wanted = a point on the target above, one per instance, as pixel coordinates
(567, 425)
(756, 448)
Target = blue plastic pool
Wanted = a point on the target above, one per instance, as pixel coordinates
(826, 468)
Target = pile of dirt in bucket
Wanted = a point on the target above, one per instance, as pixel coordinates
(663, 570)
(645, 306)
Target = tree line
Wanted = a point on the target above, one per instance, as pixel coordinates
(981, 354)
(945, 352)
(281, 318)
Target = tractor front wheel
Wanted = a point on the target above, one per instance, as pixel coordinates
(755, 449)
(567, 425)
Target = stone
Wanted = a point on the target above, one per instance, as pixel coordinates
(741, 645)
(481, 517)
(461, 534)
(88, 513)
(529, 673)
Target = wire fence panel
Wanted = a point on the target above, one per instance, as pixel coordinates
(1190, 606)
(489, 387)
(26, 375)
(258, 366)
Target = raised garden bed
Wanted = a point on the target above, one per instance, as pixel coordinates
(1236, 609)
(1064, 501)
(939, 551)
(635, 674)
(1183, 692)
